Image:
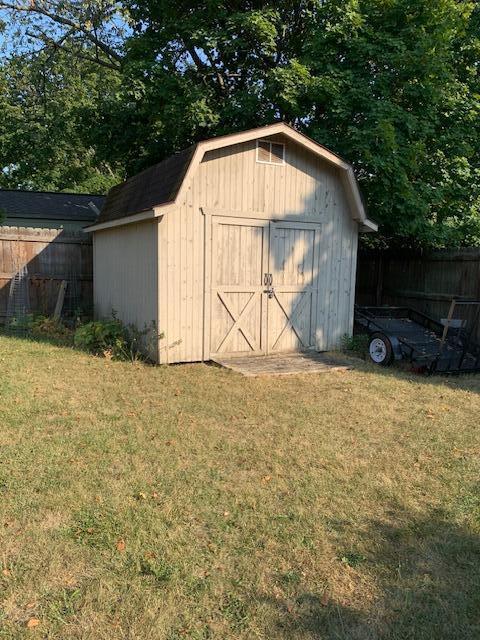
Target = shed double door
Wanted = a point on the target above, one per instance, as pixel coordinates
(264, 286)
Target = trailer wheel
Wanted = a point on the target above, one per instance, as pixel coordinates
(380, 349)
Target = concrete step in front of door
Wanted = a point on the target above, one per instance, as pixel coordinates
(284, 364)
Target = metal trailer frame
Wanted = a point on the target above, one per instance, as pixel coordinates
(430, 345)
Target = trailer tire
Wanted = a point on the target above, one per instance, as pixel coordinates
(380, 349)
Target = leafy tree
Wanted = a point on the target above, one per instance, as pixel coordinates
(60, 68)
(196, 70)
(392, 85)
(49, 108)
(394, 92)
(91, 30)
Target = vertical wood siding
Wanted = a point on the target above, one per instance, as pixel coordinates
(229, 181)
(126, 275)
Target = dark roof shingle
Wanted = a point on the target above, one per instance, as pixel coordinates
(155, 186)
(49, 205)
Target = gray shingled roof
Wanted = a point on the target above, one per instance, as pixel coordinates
(154, 186)
(49, 205)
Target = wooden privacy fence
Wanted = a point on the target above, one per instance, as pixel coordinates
(51, 256)
(426, 281)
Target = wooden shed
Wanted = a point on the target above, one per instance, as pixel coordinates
(241, 244)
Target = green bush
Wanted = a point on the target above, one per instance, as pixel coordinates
(47, 327)
(358, 343)
(109, 337)
(39, 326)
(112, 339)
(102, 337)
(20, 324)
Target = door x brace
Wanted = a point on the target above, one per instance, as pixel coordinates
(237, 321)
(292, 318)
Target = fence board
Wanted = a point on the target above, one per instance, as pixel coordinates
(51, 255)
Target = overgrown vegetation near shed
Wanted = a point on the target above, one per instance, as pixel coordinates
(189, 502)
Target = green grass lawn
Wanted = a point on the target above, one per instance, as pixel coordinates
(189, 502)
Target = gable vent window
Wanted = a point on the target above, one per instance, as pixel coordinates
(270, 152)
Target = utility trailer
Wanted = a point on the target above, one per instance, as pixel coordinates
(431, 346)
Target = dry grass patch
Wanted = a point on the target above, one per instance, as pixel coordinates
(189, 502)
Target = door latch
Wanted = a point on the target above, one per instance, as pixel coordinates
(267, 281)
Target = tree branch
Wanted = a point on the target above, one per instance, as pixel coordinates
(218, 73)
(206, 69)
(58, 44)
(201, 66)
(66, 22)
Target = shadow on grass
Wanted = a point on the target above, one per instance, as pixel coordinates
(468, 382)
(65, 342)
(465, 381)
(55, 341)
(405, 371)
(427, 580)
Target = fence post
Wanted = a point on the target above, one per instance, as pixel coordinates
(379, 278)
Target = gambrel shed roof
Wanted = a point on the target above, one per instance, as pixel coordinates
(147, 194)
(152, 187)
